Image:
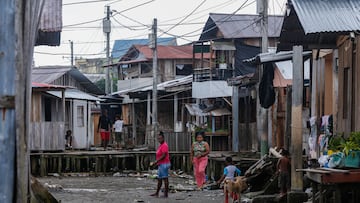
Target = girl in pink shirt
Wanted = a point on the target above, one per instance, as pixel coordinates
(163, 162)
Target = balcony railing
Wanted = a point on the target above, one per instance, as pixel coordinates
(208, 74)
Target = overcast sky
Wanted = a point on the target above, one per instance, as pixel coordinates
(131, 19)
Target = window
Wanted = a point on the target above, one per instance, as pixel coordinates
(184, 69)
(146, 68)
(80, 116)
(47, 103)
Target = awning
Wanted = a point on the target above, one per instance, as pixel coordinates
(220, 112)
(195, 110)
(74, 94)
(274, 57)
(223, 46)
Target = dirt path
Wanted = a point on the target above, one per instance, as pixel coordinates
(125, 190)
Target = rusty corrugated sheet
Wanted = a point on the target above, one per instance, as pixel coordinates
(328, 16)
(51, 18)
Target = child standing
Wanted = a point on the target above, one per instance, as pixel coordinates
(68, 139)
(230, 171)
(284, 167)
(118, 125)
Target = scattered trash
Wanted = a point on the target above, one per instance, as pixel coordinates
(118, 174)
(53, 187)
(54, 174)
(180, 187)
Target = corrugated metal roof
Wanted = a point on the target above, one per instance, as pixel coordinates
(328, 15)
(274, 57)
(75, 94)
(239, 26)
(316, 24)
(121, 46)
(171, 83)
(48, 74)
(51, 17)
(167, 52)
(45, 85)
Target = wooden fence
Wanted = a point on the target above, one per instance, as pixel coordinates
(178, 142)
(47, 136)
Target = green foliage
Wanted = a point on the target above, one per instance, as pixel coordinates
(355, 137)
(348, 146)
(339, 143)
(335, 143)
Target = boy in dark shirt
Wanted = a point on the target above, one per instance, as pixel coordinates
(284, 167)
(104, 127)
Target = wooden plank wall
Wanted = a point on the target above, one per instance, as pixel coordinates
(47, 136)
(178, 141)
(356, 110)
(345, 64)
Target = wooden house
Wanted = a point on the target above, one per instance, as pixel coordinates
(47, 121)
(229, 42)
(334, 73)
(175, 64)
(78, 104)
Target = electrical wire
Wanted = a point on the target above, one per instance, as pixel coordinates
(182, 20)
(223, 20)
(84, 2)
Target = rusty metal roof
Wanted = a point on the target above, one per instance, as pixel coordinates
(167, 52)
(230, 26)
(328, 15)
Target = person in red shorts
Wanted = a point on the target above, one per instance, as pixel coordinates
(163, 162)
(104, 128)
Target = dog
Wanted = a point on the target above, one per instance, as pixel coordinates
(235, 188)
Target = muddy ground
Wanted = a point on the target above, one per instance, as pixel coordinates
(126, 189)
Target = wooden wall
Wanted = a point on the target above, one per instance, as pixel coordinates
(328, 92)
(47, 136)
(345, 73)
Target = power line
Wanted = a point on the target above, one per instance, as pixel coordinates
(100, 19)
(216, 6)
(84, 2)
(182, 20)
(244, 5)
(68, 54)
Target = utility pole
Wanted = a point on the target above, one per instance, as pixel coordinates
(262, 113)
(72, 52)
(153, 46)
(107, 30)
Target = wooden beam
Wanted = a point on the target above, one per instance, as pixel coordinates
(296, 119)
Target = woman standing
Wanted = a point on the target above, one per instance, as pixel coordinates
(163, 162)
(199, 156)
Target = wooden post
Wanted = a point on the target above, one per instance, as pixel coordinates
(296, 118)
(288, 117)
(43, 165)
(137, 162)
(235, 123)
